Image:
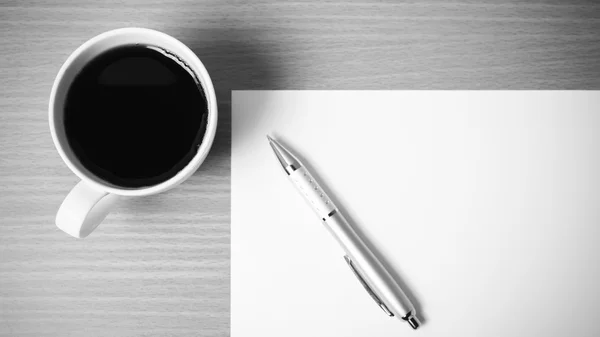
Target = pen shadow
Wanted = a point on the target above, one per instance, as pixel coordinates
(348, 215)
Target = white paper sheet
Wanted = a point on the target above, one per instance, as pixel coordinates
(485, 204)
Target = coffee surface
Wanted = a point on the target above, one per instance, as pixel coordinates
(135, 116)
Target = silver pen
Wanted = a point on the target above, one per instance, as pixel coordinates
(376, 280)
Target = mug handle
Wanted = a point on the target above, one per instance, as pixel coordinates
(83, 210)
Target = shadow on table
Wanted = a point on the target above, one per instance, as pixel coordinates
(236, 59)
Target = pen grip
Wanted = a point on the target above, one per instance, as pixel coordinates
(312, 192)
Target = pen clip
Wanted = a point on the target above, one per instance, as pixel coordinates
(367, 288)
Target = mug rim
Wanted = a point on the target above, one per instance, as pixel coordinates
(211, 124)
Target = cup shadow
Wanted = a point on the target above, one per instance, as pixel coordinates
(236, 60)
(348, 215)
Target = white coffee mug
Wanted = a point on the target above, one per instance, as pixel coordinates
(92, 198)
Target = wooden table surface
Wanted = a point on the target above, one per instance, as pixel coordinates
(159, 266)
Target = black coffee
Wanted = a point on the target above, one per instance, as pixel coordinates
(135, 116)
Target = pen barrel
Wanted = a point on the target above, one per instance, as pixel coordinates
(371, 269)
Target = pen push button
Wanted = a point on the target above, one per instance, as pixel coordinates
(367, 288)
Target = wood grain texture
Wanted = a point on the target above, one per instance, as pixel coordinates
(160, 265)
